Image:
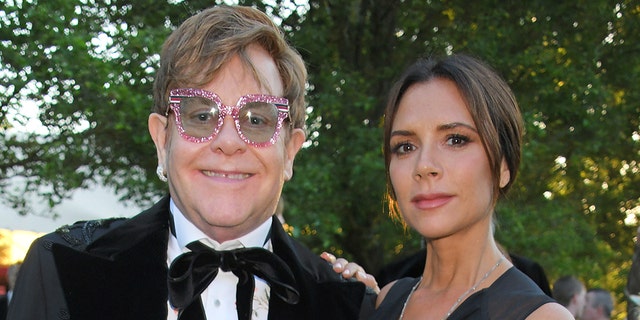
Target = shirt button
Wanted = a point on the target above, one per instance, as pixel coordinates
(216, 303)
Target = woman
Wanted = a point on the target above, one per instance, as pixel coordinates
(452, 138)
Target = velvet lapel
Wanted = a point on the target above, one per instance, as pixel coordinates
(323, 294)
(122, 274)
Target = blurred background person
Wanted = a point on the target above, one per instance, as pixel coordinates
(12, 274)
(598, 306)
(570, 292)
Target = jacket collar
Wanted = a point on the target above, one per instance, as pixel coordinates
(132, 231)
(322, 292)
(126, 267)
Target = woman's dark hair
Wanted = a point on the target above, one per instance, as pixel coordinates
(489, 100)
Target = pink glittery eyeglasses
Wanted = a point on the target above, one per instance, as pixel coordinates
(200, 115)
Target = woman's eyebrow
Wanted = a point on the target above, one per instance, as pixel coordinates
(402, 133)
(453, 125)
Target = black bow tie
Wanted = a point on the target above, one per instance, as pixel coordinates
(192, 272)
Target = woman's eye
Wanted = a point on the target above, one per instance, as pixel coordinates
(403, 148)
(457, 140)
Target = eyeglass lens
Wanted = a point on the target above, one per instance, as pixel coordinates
(201, 118)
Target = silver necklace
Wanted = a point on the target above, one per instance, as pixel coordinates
(460, 298)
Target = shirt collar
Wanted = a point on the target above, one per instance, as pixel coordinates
(187, 232)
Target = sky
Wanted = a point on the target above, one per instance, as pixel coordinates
(95, 203)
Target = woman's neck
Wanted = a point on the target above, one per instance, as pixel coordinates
(459, 263)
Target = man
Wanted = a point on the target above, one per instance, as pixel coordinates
(571, 293)
(598, 306)
(228, 120)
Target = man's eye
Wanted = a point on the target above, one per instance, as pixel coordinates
(202, 117)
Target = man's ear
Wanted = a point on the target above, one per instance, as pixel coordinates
(158, 131)
(296, 139)
(505, 174)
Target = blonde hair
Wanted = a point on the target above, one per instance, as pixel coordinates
(195, 51)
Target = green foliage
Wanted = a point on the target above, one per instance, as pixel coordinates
(573, 65)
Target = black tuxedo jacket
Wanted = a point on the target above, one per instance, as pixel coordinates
(117, 269)
(4, 303)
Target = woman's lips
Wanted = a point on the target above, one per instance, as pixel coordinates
(431, 201)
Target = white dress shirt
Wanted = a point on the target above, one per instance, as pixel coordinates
(221, 302)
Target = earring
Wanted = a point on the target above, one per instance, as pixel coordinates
(162, 175)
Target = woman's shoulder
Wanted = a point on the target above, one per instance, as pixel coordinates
(514, 282)
(515, 296)
(526, 299)
(384, 291)
(392, 297)
(395, 290)
(551, 310)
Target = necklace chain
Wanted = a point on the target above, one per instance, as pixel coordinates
(460, 298)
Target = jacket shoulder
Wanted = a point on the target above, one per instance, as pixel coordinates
(81, 233)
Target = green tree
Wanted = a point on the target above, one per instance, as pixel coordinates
(88, 65)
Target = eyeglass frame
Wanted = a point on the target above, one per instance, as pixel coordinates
(176, 95)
